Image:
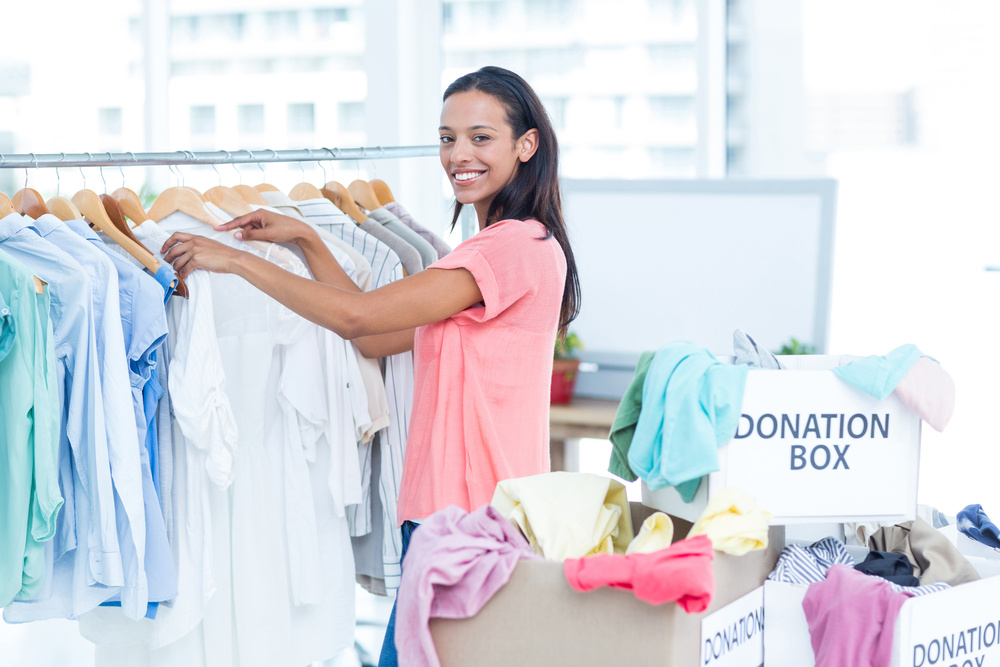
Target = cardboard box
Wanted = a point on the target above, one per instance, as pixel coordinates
(927, 632)
(537, 619)
(970, 547)
(811, 448)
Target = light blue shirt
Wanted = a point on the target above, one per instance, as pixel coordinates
(691, 405)
(87, 488)
(122, 437)
(144, 328)
(877, 375)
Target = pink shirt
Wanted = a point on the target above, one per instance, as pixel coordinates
(482, 377)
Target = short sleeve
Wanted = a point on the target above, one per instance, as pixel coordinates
(508, 260)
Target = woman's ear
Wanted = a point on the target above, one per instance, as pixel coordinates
(527, 145)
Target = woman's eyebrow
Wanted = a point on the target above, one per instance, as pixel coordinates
(474, 127)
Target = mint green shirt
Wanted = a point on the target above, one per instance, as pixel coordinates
(29, 432)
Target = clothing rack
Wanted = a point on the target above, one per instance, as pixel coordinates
(242, 156)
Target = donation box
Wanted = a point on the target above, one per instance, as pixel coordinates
(811, 448)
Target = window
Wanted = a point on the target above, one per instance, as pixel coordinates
(203, 120)
(250, 118)
(667, 109)
(552, 13)
(302, 118)
(556, 108)
(282, 25)
(351, 117)
(109, 121)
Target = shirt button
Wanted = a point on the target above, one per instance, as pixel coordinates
(5, 312)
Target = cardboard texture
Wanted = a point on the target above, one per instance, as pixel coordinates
(803, 439)
(537, 619)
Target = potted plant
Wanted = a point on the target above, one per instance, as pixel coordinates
(565, 366)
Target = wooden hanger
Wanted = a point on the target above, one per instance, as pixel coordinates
(228, 200)
(382, 191)
(266, 187)
(341, 198)
(63, 208)
(94, 212)
(363, 194)
(304, 191)
(28, 202)
(117, 216)
(200, 194)
(181, 200)
(6, 206)
(114, 211)
(130, 205)
(250, 195)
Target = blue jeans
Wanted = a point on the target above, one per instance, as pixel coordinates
(388, 657)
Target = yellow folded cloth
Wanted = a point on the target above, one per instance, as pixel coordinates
(734, 523)
(656, 533)
(567, 514)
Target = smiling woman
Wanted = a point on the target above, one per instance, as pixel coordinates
(482, 321)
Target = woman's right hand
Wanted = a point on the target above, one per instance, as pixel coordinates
(264, 225)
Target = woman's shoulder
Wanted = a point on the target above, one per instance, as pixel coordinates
(512, 229)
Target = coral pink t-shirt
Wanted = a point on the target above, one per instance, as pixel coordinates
(482, 377)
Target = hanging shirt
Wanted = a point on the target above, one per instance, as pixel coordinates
(144, 328)
(386, 268)
(427, 253)
(250, 329)
(124, 444)
(29, 432)
(407, 254)
(363, 270)
(440, 247)
(159, 441)
(205, 436)
(89, 512)
(483, 376)
(359, 270)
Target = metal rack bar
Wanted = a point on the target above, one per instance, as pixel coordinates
(243, 156)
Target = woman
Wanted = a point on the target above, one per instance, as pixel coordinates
(482, 322)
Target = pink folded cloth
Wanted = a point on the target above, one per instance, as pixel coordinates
(851, 618)
(929, 391)
(681, 573)
(455, 562)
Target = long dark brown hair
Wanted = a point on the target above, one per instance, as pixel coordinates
(533, 193)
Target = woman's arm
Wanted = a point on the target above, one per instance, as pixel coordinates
(381, 320)
(265, 225)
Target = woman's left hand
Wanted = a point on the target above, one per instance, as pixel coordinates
(187, 252)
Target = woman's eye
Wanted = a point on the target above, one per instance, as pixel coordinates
(481, 138)
(446, 139)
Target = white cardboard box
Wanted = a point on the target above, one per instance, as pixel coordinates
(927, 628)
(970, 547)
(812, 449)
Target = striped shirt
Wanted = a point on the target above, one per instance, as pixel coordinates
(398, 370)
(809, 565)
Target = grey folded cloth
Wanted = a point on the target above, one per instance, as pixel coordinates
(747, 352)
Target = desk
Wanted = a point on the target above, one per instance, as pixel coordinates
(582, 418)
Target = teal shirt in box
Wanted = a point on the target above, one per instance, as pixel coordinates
(29, 432)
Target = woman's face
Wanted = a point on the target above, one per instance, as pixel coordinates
(478, 150)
